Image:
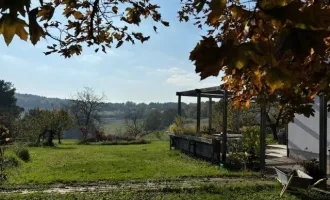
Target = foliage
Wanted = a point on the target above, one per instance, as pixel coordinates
(180, 126)
(242, 161)
(251, 139)
(40, 124)
(270, 49)
(4, 140)
(105, 24)
(152, 121)
(312, 168)
(236, 145)
(21, 151)
(9, 111)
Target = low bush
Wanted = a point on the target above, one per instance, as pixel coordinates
(23, 154)
(312, 168)
(21, 151)
(241, 161)
(181, 127)
(251, 139)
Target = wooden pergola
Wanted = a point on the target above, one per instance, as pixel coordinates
(218, 92)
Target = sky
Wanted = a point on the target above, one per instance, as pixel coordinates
(149, 72)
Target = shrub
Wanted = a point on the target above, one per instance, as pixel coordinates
(241, 161)
(23, 154)
(312, 168)
(236, 146)
(21, 151)
(180, 127)
(237, 161)
(251, 139)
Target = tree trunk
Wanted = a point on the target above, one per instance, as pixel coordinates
(274, 131)
(50, 138)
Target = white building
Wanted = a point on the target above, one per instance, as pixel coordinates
(303, 135)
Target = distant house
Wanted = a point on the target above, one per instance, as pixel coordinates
(303, 135)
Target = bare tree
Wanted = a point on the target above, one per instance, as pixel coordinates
(85, 107)
(134, 124)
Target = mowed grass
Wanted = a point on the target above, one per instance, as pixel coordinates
(88, 163)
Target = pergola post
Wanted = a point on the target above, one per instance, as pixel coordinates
(179, 104)
(210, 113)
(263, 136)
(198, 128)
(323, 136)
(224, 128)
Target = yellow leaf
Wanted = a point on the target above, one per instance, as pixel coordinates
(20, 30)
(274, 79)
(247, 103)
(7, 139)
(78, 15)
(9, 26)
(239, 64)
(256, 79)
(217, 7)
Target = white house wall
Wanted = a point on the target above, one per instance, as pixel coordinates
(303, 135)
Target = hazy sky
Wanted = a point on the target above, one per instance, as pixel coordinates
(147, 72)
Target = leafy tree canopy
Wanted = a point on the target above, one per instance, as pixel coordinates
(274, 49)
(85, 22)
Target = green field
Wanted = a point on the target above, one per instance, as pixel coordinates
(149, 171)
(87, 163)
(114, 126)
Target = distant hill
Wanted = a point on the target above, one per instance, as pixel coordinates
(108, 110)
(30, 101)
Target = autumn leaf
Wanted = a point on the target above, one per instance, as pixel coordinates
(78, 15)
(115, 9)
(217, 7)
(165, 23)
(9, 26)
(119, 44)
(199, 4)
(46, 12)
(207, 58)
(34, 28)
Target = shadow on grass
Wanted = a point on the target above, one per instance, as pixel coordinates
(308, 195)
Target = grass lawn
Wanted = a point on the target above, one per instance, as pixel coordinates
(89, 163)
(114, 126)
